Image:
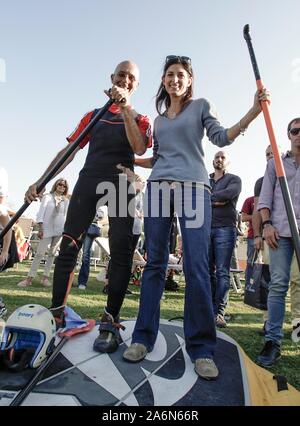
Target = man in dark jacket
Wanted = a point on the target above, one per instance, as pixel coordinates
(226, 189)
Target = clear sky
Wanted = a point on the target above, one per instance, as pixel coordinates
(56, 58)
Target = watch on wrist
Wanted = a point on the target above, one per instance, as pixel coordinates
(266, 222)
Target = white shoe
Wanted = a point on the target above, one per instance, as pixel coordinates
(206, 368)
(136, 352)
(82, 287)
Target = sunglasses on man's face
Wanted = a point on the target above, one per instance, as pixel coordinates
(179, 58)
(295, 131)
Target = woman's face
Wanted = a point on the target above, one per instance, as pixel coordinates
(176, 80)
(61, 187)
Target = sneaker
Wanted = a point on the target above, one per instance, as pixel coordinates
(82, 287)
(46, 282)
(109, 337)
(136, 352)
(25, 283)
(206, 368)
(269, 354)
(220, 321)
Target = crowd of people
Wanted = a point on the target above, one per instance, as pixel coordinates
(179, 184)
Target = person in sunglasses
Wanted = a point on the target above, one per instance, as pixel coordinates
(119, 134)
(277, 235)
(178, 164)
(50, 219)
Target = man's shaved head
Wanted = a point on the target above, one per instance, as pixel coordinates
(126, 76)
(128, 64)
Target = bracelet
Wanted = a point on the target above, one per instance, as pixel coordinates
(242, 129)
(266, 222)
(257, 236)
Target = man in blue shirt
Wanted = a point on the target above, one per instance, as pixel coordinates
(277, 234)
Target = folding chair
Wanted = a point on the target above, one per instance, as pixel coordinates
(235, 271)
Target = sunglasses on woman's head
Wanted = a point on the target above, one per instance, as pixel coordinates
(180, 58)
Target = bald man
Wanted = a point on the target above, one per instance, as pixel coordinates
(225, 190)
(119, 134)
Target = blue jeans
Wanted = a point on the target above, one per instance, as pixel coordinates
(280, 266)
(222, 242)
(250, 249)
(86, 257)
(199, 327)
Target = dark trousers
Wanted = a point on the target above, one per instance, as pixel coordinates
(135, 241)
(81, 212)
(222, 243)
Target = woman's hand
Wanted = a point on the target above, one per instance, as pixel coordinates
(261, 95)
(40, 231)
(130, 174)
(3, 258)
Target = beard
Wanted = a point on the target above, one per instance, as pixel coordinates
(219, 166)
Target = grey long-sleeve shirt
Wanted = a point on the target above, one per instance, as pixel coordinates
(178, 144)
(271, 196)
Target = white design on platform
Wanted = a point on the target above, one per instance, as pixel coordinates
(168, 391)
(160, 349)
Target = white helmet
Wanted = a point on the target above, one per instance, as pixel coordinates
(28, 337)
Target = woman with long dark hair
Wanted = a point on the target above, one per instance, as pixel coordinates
(179, 182)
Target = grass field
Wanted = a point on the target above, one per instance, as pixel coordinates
(243, 326)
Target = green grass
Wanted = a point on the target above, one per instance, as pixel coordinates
(243, 326)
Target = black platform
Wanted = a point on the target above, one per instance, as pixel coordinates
(80, 376)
